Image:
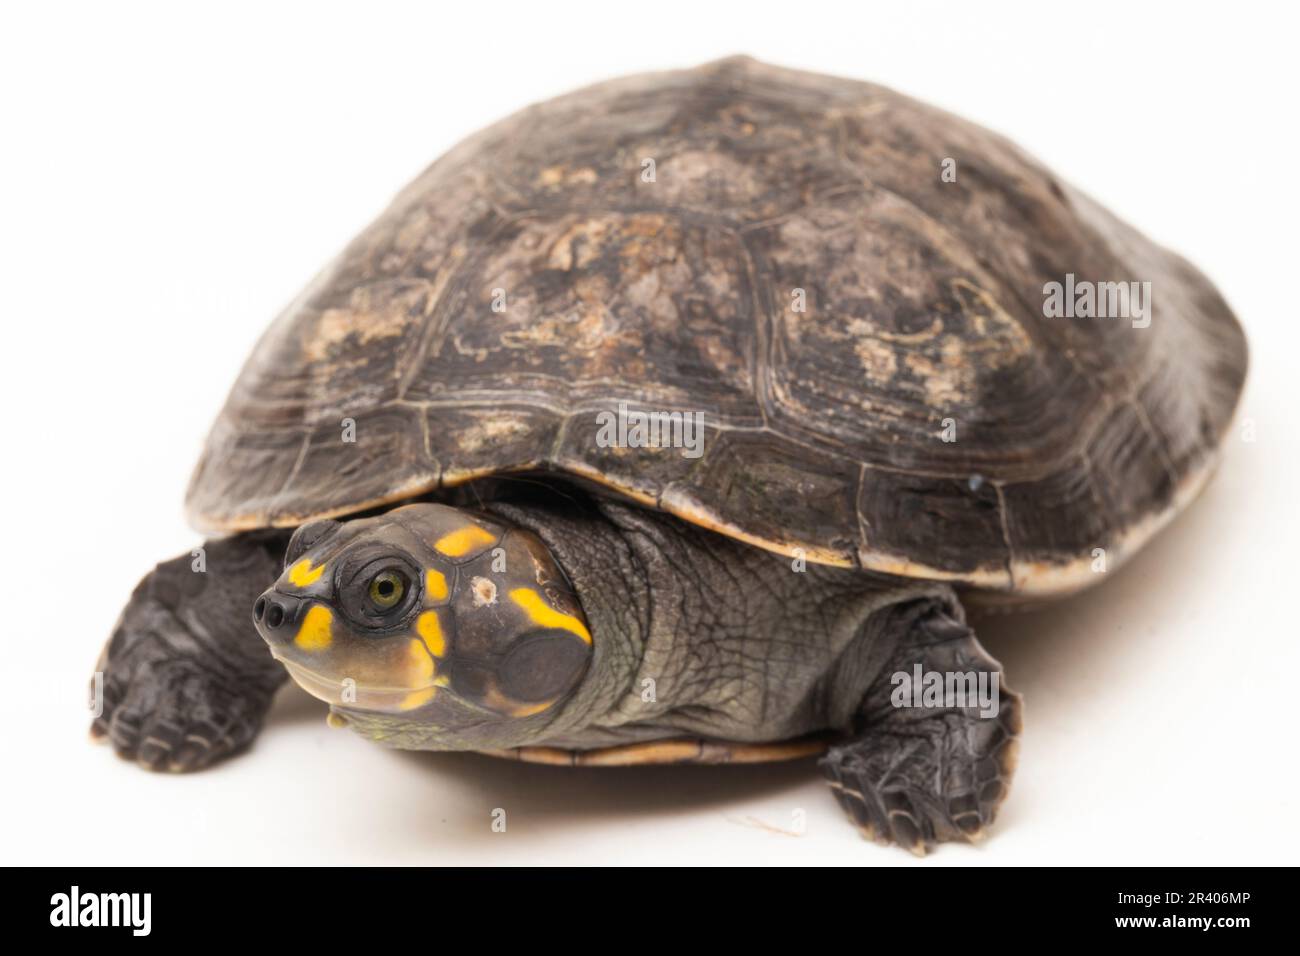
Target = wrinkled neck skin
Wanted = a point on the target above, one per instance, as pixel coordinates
(697, 634)
(694, 635)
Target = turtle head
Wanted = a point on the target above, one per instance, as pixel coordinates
(428, 625)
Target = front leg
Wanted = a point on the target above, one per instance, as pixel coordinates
(932, 762)
(187, 679)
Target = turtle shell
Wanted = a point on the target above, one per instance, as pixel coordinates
(844, 286)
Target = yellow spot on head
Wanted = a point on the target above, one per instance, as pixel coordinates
(417, 698)
(314, 635)
(421, 664)
(462, 541)
(543, 615)
(430, 628)
(528, 710)
(303, 574)
(502, 704)
(421, 673)
(435, 583)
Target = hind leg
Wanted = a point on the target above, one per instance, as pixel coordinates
(186, 678)
(929, 763)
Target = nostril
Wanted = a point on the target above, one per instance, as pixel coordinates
(274, 616)
(259, 609)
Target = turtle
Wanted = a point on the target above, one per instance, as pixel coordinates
(680, 419)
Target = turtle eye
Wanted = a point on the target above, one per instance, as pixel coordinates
(386, 589)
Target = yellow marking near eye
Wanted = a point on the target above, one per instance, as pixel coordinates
(543, 615)
(435, 583)
(420, 670)
(421, 664)
(430, 628)
(418, 698)
(303, 574)
(463, 540)
(314, 635)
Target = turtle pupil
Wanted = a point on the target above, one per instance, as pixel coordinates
(386, 589)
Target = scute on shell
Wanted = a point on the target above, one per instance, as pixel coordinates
(796, 270)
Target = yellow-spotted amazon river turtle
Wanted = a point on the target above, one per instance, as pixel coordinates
(672, 420)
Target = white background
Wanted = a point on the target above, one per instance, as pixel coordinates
(170, 178)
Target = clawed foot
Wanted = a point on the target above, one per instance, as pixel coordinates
(921, 775)
(170, 715)
(916, 791)
(186, 679)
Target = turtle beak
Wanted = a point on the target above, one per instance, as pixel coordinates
(278, 616)
(325, 658)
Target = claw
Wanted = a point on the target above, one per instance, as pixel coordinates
(191, 754)
(906, 832)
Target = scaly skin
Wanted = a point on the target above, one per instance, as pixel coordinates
(187, 679)
(743, 647)
(695, 635)
(921, 776)
(739, 644)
